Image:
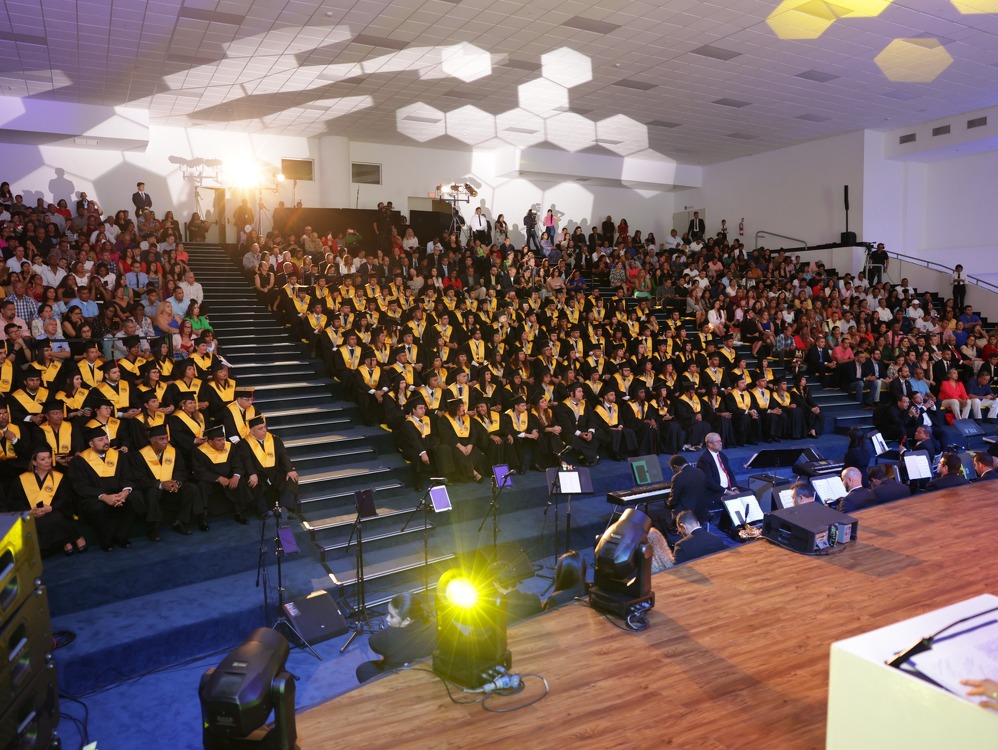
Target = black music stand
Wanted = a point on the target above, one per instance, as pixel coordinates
(365, 510)
(502, 478)
(566, 482)
(774, 458)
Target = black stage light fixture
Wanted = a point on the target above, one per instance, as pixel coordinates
(239, 695)
(622, 578)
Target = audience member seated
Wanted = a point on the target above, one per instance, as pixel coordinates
(984, 465)
(950, 473)
(696, 541)
(885, 487)
(409, 634)
(661, 556)
(857, 496)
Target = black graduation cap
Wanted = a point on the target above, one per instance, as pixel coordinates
(108, 365)
(413, 402)
(54, 404)
(257, 421)
(185, 396)
(158, 431)
(93, 433)
(243, 393)
(217, 431)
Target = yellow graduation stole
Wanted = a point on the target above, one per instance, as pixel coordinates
(572, 315)
(317, 322)
(301, 305)
(7, 448)
(6, 376)
(165, 367)
(763, 401)
(695, 379)
(578, 409)
(639, 409)
(352, 360)
(132, 367)
(407, 372)
(43, 492)
(104, 469)
(624, 386)
(423, 425)
(693, 402)
(633, 327)
(610, 416)
(782, 399)
(347, 292)
(716, 377)
(160, 390)
(432, 397)
(490, 423)
(768, 374)
(225, 392)
(381, 353)
(335, 337)
(445, 334)
(153, 420)
(728, 354)
(417, 326)
(597, 364)
(743, 399)
(74, 402)
(161, 468)
(48, 373)
(216, 456)
(519, 420)
(203, 362)
(661, 408)
(477, 350)
(264, 453)
(195, 424)
(488, 390)
(461, 428)
(111, 428)
(371, 377)
(450, 302)
(194, 388)
(670, 379)
(241, 420)
(61, 443)
(465, 393)
(32, 406)
(92, 377)
(714, 402)
(118, 397)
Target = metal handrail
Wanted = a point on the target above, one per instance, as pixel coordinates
(933, 266)
(781, 236)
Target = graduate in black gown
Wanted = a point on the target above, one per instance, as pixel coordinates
(48, 497)
(455, 433)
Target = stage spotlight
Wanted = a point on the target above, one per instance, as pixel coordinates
(180, 160)
(622, 580)
(471, 630)
(280, 177)
(238, 696)
(455, 188)
(213, 162)
(471, 191)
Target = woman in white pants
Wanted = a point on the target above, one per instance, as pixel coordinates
(953, 395)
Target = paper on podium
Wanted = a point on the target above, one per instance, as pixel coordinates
(569, 482)
(917, 466)
(970, 653)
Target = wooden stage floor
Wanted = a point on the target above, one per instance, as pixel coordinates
(736, 655)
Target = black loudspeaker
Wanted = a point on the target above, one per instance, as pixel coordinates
(316, 617)
(29, 695)
(845, 196)
(848, 238)
(809, 528)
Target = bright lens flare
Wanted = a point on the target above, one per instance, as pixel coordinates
(462, 593)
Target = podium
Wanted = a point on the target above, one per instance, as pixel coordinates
(872, 705)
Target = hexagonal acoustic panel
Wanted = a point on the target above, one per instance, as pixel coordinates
(809, 19)
(914, 60)
(566, 67)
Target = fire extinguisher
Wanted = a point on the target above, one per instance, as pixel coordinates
(741, 227)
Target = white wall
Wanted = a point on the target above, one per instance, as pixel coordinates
(795, 191)
(110, 176)
(411, 171)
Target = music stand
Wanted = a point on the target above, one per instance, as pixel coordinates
(501, 479)
(365, 510)
(566, 482)
(436, 499)
(773, 458)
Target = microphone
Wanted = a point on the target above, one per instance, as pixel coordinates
(563, 451)
(507, 475)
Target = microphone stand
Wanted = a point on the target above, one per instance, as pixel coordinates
(493, 509)
(363, 622)
(423, 505)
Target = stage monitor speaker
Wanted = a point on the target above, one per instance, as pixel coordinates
(25, 645)
(316, 617)
(20, 561)
(848, 238)
(809, 528)
(968, 427)
(30, 721)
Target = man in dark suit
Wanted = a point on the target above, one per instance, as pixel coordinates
(717, 470)
(857, 496)
(899, 420)
(696, 541)
(901, 385)
(984, 465)
(689, 490)
(885, 487)
(141, 199)
(950, 473)
(820, 362)
(697, 226)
